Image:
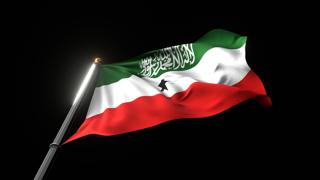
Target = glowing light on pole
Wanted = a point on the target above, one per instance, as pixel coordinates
(84, 83)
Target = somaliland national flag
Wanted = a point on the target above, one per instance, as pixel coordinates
(193, 80)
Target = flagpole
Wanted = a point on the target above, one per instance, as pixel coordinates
(53, 147)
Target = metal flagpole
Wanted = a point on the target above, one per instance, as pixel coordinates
(57, 141)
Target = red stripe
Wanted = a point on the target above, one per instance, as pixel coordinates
(199, 100)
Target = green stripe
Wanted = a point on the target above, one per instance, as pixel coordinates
(111, 73)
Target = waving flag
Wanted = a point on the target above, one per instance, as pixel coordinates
(193, 80)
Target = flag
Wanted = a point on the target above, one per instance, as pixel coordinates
(192, 80)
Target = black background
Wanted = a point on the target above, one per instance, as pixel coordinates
(56, 52)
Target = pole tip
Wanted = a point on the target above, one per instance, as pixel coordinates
(97, 60)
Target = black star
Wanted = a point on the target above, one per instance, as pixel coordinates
(163, 85)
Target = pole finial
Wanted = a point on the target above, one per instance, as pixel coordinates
(97, 60)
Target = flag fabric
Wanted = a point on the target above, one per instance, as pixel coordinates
(193, 80)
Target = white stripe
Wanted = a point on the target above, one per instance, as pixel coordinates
(217, 66)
